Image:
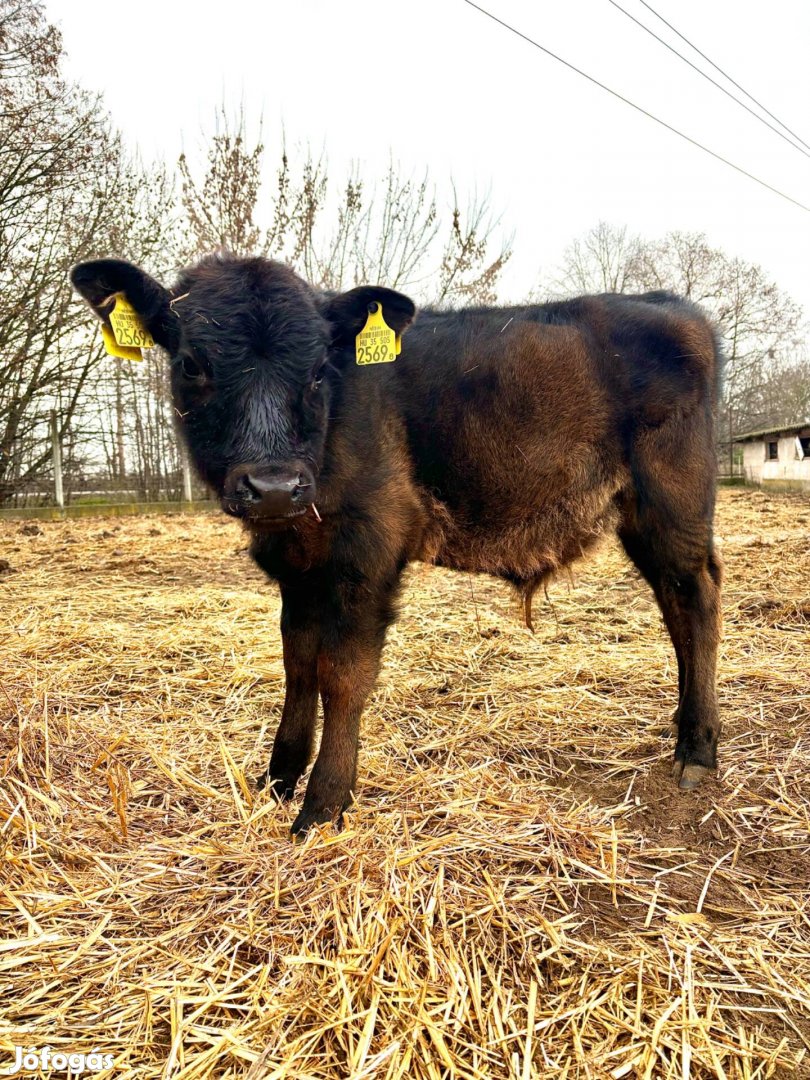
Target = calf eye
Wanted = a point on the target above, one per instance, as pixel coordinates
(317, 379)
(190, 368)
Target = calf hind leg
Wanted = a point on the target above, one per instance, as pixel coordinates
(679, 562)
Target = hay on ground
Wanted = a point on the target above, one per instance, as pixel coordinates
(521, 890)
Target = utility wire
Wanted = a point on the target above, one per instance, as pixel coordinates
(638, 108)
(724, 74)
(714, 82)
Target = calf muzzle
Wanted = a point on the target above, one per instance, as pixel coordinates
(268, 493)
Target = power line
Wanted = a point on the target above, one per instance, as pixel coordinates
(708, 77)
(638, 108)
(725, 74)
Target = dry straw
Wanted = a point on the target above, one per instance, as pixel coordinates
(521, 892)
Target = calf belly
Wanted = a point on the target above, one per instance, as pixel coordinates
(532, 542)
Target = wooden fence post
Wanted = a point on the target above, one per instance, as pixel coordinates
(188, 494)
(57, 461)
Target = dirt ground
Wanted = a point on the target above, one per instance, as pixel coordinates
(521, 890)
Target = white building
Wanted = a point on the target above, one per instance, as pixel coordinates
(778, 457)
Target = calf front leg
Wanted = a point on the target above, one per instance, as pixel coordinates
(292, 748)
(347, 670)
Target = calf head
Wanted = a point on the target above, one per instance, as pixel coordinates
(256, 354)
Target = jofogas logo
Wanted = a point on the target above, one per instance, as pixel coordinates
(32, 1060)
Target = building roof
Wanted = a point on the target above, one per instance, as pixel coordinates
(788, 429)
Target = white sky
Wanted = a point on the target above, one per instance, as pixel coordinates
(437, 84)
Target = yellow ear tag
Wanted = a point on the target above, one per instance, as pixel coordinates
(114, 349)
(376, 343)
(127, 328)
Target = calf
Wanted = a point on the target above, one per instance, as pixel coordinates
(502, 440)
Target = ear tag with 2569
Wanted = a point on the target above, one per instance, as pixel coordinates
(112, 348)
(126, 334)
(376, 343)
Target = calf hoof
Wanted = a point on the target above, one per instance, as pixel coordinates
(310, 816)
(281, 787)
(689, 776)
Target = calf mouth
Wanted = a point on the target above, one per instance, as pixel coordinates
(261, 521)
(274, 524)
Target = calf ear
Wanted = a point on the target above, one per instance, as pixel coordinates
(347, 313)
(99, 281)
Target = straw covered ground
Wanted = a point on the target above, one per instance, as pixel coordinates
(521, 891)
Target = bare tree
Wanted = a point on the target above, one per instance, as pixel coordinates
(219, 210)
(601, 260)
(469, 272)
(338, 235)
(65, 188)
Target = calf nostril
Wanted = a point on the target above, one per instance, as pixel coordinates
(299, 490)
(250, 489)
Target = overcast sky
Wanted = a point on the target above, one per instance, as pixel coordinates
(437, 84)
